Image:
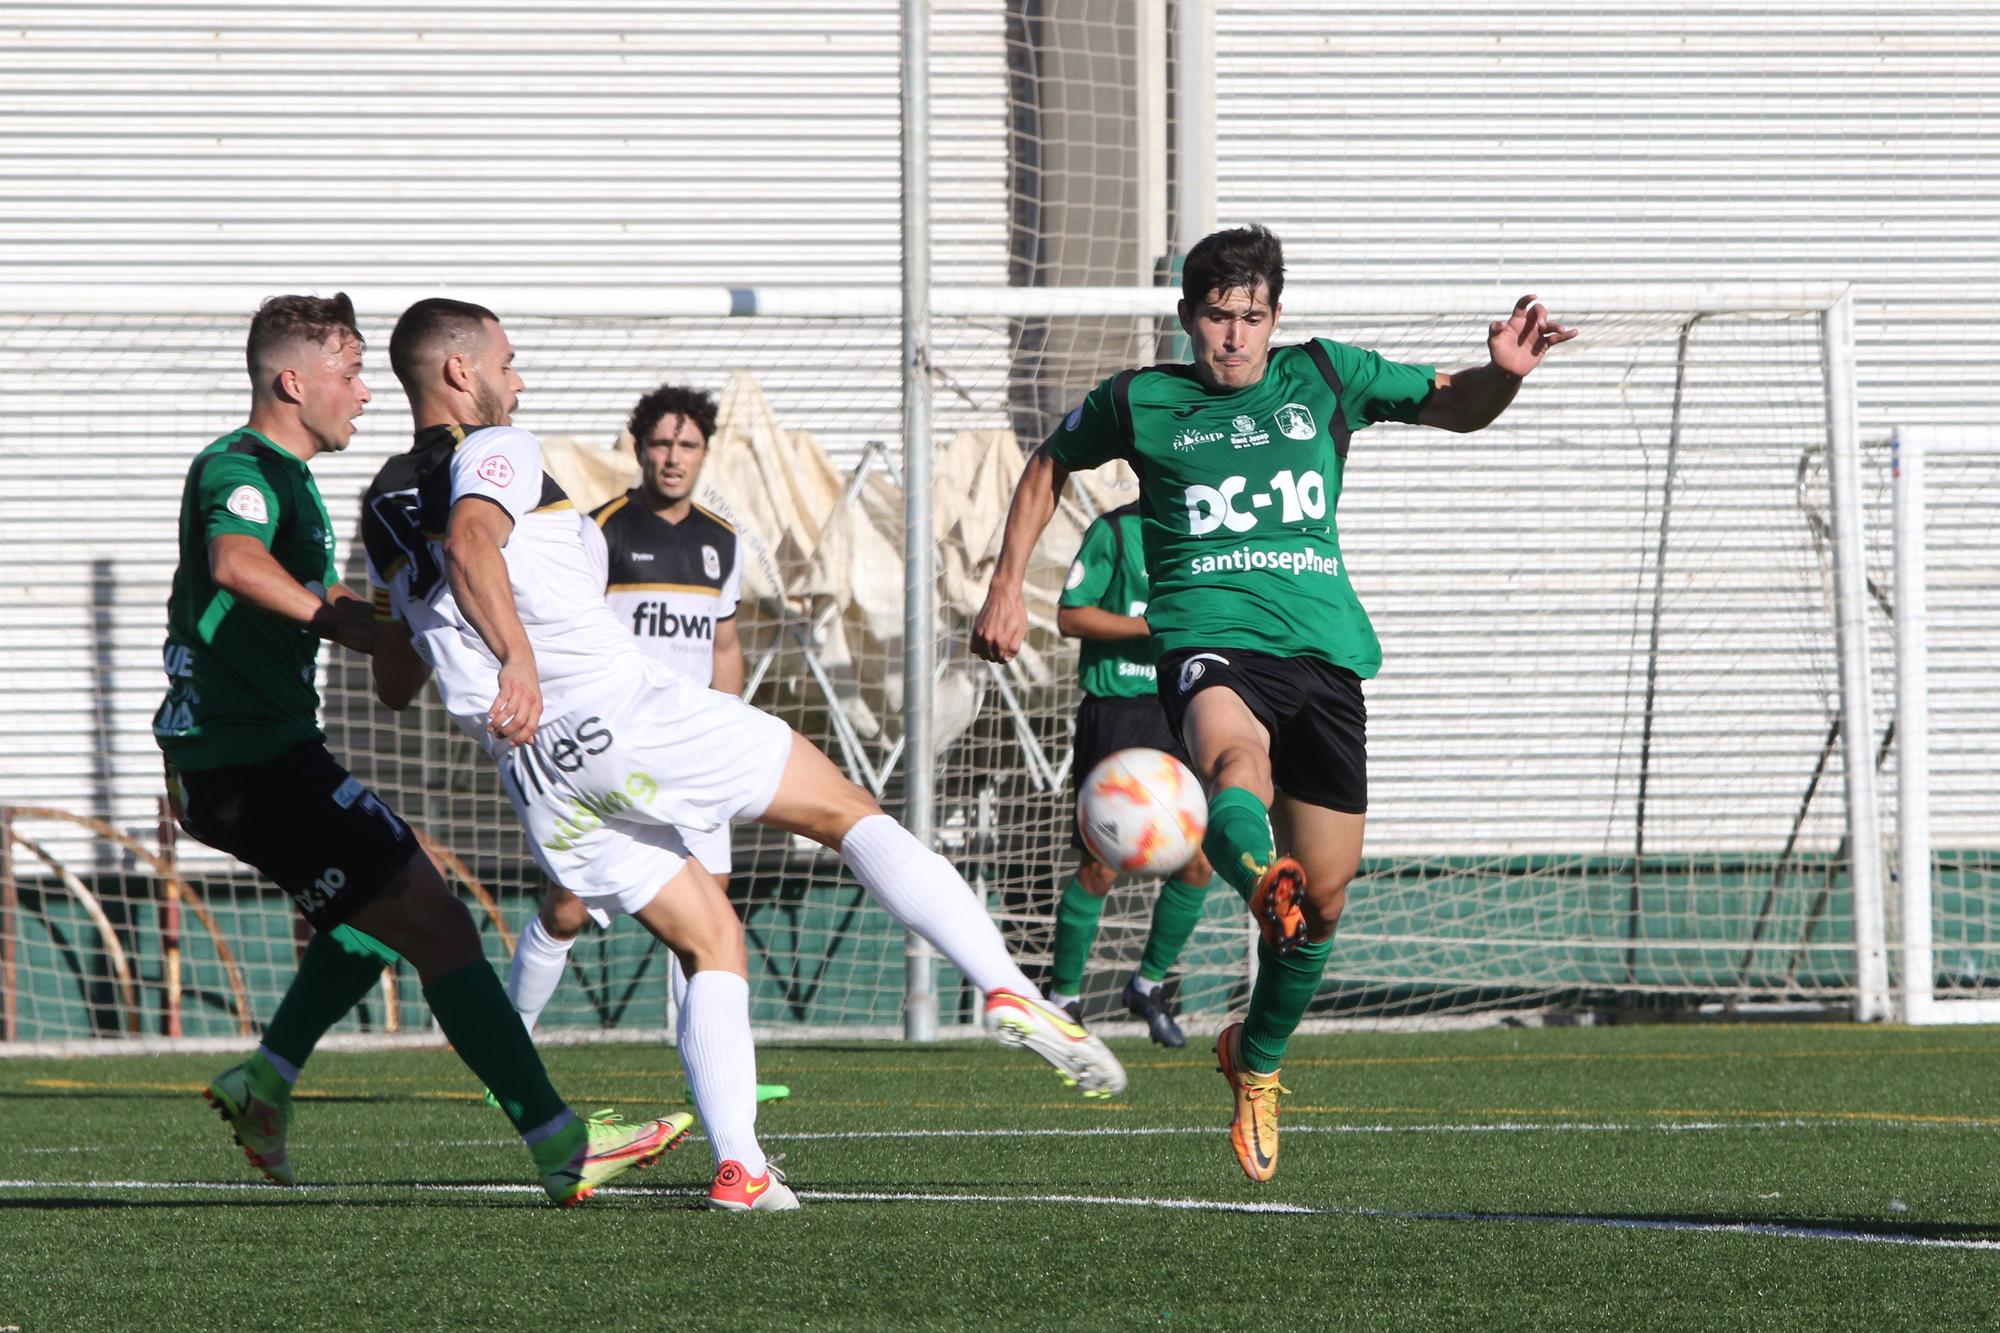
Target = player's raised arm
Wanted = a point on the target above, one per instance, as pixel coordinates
(1003, 620)
(1469, 400)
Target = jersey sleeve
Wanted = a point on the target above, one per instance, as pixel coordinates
(732, 584)
(1091, 435)
(501, 464)
(596, 554)
(234, 497)
(1090, 573)
(380, 595)
(1374, 388)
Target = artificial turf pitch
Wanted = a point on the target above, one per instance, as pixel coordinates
(1628, 1177)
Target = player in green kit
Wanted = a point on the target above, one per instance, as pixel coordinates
(1260, 640)
(1104, 605)
(248, 771)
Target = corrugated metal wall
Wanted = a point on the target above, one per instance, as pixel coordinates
(1570, 141)
(313, 146)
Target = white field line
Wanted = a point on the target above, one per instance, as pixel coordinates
(1157, 1131)
(1773, 1230)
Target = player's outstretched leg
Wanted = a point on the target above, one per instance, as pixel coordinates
(925, 895)
(337, 970)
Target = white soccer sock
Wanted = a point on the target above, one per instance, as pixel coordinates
(922, 891)
(1060, 1000)
(721, 1064)
(677, 983)
(539, 960)
(1144, 985)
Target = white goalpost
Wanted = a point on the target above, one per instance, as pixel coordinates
(1946, 490)
(1622, 748)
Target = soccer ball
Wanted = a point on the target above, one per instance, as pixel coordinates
(1141, 809)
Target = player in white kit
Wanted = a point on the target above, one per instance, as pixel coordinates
(605, 753)
(672, 573)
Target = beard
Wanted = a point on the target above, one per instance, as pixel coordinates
(490, 405)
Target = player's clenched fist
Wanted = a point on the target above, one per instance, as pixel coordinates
(1002, 625)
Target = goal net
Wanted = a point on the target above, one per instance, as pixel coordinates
(1607, 760)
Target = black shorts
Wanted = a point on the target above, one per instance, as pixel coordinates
(1106, 726)
(304, 821)
(1313, 710)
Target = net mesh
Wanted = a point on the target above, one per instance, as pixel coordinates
(1601, 757)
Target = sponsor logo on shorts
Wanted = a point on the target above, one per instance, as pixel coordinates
(497, 470)
(247, 503)
(1195, 668)
(1296, 421)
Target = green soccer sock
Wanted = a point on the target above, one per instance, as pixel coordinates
(339, 968)
(1285, 986)
(1077, 915)
(1239, 842)
(472, 1010)
(1175, 913)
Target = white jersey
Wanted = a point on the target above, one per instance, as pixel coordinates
(579, 645)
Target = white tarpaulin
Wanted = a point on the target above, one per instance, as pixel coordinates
(823, 549)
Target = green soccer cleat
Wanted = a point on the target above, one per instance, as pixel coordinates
(257, 1106)
(772, 1092)
(587, 1153)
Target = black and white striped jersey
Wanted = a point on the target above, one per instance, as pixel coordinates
(670, 583)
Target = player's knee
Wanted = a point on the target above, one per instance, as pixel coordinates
(563, 915)
(1245, 766)
(1325, 901)
(1096, 877)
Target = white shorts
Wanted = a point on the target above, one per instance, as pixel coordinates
(612, 793)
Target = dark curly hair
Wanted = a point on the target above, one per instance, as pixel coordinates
(1234, 261)
(671, 400)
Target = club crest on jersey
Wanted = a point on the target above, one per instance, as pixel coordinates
(247, 503)
(1296, 421)
(1247, 435)
(711, 562)
(497, 470)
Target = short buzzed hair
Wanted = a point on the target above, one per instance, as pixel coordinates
(671, 400)
(283, 321)
(1234, 261)
(434, 320)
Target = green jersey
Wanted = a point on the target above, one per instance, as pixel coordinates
(240, 682)
(1110, 572)
(1237, 493)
